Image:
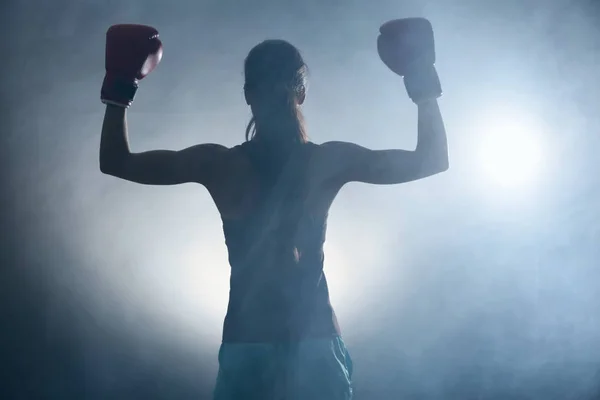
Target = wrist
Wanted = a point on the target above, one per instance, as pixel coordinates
(118, 90)
(423, 84)
(114, 109)
(426, 103)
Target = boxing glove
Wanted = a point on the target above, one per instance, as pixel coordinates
(407, 47)
(132, 52)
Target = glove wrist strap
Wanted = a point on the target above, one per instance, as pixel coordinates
(118, 91)
(423, 84)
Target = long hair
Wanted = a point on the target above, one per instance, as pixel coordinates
(276, 80)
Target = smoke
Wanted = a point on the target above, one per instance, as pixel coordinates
(445, 288)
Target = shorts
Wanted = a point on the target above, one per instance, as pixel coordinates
(312, 369)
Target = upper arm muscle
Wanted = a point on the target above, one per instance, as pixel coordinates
(349, 162)
(198, 163)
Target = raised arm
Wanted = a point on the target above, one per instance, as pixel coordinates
(132, 52)
(406, 46)
(200, 164)
(349, 162)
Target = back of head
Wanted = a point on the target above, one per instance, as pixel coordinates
(275, 87)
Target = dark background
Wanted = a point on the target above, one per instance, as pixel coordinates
(461, 286)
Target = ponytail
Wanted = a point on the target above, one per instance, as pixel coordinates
(281, 121)
(251, 129)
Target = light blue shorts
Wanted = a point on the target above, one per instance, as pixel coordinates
(314, 369)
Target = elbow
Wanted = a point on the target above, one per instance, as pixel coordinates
(444, 165)
(108, 171)
(437, 169)
(433, 159)
(109, 167)
(105, 169)
(434, 165)
(112, 163)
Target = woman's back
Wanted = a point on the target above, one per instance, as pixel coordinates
(275, 236)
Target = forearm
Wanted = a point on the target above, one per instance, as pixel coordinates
(432, 142)
(114, 147)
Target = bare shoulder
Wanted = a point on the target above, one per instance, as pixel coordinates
(231, 165)
(236, 158)
(216, 154)
(333, 158)
(235, 189)
(208, 151)
(210, 164)
(337, 149)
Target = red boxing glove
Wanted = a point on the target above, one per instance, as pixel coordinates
(132, 52)
(407, 47)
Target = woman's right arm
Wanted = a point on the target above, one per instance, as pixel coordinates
(198, 163)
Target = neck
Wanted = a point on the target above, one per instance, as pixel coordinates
(279, 132)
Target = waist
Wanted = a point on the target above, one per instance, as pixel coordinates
(273, 327)
(279, 304)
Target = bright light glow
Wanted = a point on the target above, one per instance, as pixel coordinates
(511, 153)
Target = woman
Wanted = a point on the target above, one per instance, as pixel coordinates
(281, 339)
